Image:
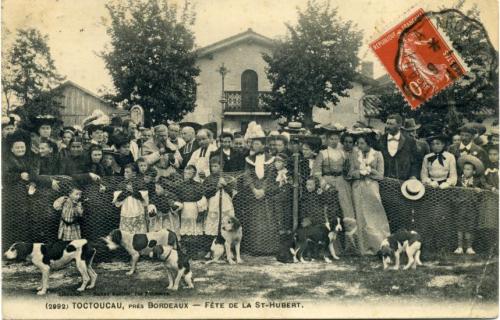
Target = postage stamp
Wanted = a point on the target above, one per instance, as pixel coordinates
(418, 58)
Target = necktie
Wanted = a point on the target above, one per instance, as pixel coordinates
(439, 156)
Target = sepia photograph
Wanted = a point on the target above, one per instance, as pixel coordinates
(229, 159)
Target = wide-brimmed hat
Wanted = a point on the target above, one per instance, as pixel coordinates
(312, 141)
(46, 119)
(468, 158)
(110, 151)
(334, 128)
(294, 127)
(438, 136)
(410, 125)
(477, 127)
(413, 189)
(317, 129)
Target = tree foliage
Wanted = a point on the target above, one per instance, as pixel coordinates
(29, 75)
(476, 92)
(152, 58)
(314, 65)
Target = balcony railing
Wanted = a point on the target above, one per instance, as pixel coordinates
(236, 102)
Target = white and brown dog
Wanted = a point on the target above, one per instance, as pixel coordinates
(405, 241)
(321, 236)
(139, 244)
(230, 237)
(56, 255)
(176, 262)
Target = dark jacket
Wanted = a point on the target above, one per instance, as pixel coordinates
(234, 162)
(475, 150)
(405, 163)
(186, 151)
(76, 168)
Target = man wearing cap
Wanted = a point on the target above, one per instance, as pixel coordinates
(467, 145)
(189, 136)
(232, 160)
(411, 127)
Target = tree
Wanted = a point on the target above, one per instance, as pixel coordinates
(152, 58)
(476, 91)
(29, 76)
(314, 64)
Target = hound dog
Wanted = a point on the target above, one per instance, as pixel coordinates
(394, 245)
(319, 235)
(139, 244)
(229, 238)
(56, 255)
(175, 261)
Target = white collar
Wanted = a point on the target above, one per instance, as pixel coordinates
(396, 136)
(462, 146)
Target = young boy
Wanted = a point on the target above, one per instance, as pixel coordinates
(490, 178)
(472, 168)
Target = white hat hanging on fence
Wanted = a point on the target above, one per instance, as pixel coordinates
(413, 189)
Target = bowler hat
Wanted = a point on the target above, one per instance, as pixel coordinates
(410, 125)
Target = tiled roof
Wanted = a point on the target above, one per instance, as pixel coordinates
(371, 106)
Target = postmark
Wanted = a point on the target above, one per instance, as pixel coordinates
(418, 58)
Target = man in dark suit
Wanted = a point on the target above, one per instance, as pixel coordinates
(189, 136)
(400, 162)
(411, 127)
(399, 151)
(231, 159)
(467, 146)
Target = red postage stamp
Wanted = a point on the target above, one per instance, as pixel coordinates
(418, 58)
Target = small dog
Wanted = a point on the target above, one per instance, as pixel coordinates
(177, 262)
(231, 235)
(393, 246)
(320, 235)
(56, 255)
(139, 244)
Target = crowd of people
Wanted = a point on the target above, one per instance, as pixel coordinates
(181, 176)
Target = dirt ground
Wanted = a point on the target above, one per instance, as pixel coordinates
(457, 278)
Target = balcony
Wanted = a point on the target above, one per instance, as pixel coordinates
(238, 104)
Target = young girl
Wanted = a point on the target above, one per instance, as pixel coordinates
(439, 167)
(72, 212)
(490, 177)
(213, 185)
(467, 203)
(282, 191)
(132, 197)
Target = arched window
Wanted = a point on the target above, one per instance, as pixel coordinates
(249, 90)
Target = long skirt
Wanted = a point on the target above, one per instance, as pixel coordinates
(345, 197)
(212, 221)
(261, 236)
(373, 226)
(189, 215)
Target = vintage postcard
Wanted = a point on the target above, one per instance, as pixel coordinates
(168, 159)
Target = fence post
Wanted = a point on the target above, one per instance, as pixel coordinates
(295, 208)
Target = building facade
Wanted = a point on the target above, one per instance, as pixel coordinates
(246, 83)
(78, 103)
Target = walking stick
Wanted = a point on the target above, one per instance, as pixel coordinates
(223, 71)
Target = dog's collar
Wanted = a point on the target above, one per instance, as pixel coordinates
(169, 253)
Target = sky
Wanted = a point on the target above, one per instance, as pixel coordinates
(77, 29)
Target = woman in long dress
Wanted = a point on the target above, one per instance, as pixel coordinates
(367, 168)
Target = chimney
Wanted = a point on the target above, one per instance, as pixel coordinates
(367, 69)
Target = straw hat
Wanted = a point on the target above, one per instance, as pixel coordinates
(413, 189)
(468, 158)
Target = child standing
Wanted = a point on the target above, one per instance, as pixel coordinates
(72, 212)
(132, 197)
(282, 193)
(467, 203)
(213, 185)
(490, 177)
